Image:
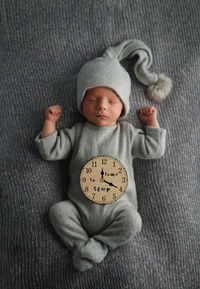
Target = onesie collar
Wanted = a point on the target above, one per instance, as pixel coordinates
(102, 128)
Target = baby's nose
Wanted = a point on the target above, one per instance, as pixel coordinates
(101, 104)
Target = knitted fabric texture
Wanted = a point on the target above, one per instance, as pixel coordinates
(44, 44)
(107, 71)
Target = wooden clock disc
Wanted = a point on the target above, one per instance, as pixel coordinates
(103, 179)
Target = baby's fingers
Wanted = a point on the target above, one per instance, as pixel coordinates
(53, 112)
(147, 110)
(56, 109)
(152, 109)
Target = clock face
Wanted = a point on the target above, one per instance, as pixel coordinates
(103, 180)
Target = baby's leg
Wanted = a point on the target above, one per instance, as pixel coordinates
(125, 223)
(65, 219)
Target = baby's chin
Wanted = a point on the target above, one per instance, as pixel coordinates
(102, 122)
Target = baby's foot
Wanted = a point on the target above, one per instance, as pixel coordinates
(81, 264)
(91, 253)
(94, 251)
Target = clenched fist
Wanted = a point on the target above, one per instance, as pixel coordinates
(148, 116)
(53, 113)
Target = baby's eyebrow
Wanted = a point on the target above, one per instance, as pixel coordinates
(114, 98)
(88, 94)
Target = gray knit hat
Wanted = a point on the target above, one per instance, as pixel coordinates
(107, 71)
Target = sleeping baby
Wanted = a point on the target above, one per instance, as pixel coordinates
(90, 227)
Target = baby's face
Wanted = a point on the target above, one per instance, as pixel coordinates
(102, 106)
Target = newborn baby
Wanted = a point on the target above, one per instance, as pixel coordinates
(90, 229)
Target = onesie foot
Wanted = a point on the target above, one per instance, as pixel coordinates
(81, 264)
(91, 253)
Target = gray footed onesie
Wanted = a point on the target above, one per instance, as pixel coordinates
(89, 229)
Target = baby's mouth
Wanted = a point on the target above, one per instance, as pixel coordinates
(101, 116)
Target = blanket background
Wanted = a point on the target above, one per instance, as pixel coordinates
(43, 45)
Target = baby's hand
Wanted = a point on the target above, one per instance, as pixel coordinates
(148, 115)
(53, 113)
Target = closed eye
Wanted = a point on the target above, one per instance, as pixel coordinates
(90, 99)
(114, 101)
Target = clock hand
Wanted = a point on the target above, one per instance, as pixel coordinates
(102, 173)
(110, 184)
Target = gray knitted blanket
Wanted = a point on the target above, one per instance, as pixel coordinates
(43, 45)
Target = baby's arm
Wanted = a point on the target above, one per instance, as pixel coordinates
(52, 114)
(149, 144)
(148, 116)
(54, 144)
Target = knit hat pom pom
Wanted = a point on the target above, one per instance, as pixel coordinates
(158, 91)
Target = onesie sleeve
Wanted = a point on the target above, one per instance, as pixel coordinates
(58, 145)
(149, 144)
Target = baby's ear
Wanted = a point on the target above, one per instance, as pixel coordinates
(122, 112)
(83, 101)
